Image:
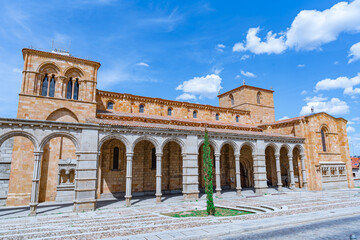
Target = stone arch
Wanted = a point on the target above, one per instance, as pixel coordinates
(274, 146)
(148, 138)
(213, 144)
(300, 148)
(324, 127)
(50, 65)
(63, 115)
(232, 144)
(122, 139)
(27, 135)
(47, 138)
(68, 72)
(287, 147)
(249, 144)
(173, 139)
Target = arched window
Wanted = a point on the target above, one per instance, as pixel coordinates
(116, 158)
(169, 111)
(195, 114)
(231, 99)
(217, 117)
(323, 140)
(141, 108)
(44, 86)
(76, 90)
(237, 118)
(52, 87)
(153, 158)
(258, 98)
(110, 105)
(69, 89)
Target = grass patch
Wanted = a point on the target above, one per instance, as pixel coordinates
(219, 212)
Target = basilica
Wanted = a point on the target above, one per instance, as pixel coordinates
(72, 142)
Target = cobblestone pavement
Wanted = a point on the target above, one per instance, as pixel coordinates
(113, 220)
(339, 229)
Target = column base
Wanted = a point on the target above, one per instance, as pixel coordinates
(33, 208)
(292, 187)
(261, 190)
(158, 198)
(218, 192)
(279, 188)
(191, 196)
(305, 185)
(238, 192)
(128, 201)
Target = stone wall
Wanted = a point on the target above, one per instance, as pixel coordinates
(5, 166)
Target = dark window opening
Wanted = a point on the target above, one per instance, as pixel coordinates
(141, 108)
(116, 158)
(217, 117)
(110, 105)
(237, 118)
(169, 111)
(52, 87)
(69, 89)
(195, 114)
(44, 87)
(76, 90)
(323, 140)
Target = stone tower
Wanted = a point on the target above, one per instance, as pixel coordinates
(259, 101)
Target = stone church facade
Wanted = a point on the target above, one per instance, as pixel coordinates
(73, 142)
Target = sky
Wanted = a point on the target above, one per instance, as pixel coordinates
(307, 51)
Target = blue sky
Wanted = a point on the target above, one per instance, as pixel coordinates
(307, 51)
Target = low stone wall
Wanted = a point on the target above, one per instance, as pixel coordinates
(5, 166)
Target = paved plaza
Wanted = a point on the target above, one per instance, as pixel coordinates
(144, 219)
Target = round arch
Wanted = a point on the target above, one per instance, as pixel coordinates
(299, 147)
(232, 144)
(274, 146)
(287, 147)
(62, 112)
(27, 135)
(148, 138)
(212, 143)
(173, 139)
(249, 144)
(70, 69)
(49, 64)
(47, 138)
(114, 136)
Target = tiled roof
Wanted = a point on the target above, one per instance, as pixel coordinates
(355, 162)
(136, 122)
(283, 121)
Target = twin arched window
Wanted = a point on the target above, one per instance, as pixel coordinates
(195, 114)
(110, 105)
(46, 89)
(217, 117)
(169, 111)
(141, 108)
(69, 89)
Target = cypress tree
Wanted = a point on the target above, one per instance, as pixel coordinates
(208, 175)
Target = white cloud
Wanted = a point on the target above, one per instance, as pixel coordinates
(244, 57)
(356, 119)
(338, 83)
(17, 70)
(304, 92)
(237, 76)
(336, 62)
(301, 65)
(283, 118)
(320, 104)
(311, 28)
(186, 96)
(220, 47)
(208, 86)
(354, 52)
(143, 64)
(350, 129)
(247, 74)
(350, 122)
(254, 44)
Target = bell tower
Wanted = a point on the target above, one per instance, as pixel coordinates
(57, 86)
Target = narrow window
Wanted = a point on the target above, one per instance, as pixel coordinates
(258, 98)
(44, 87)
(141, 108)
(169, 111)
(76, 90)
(52, 87)
(110, 105)
(323, 140)
(153, 158)
(217, 117)
(116, 158)
(69, 89)
(195, 114)
(237, 118)
(232, 99)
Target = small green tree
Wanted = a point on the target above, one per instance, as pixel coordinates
(208, 175)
